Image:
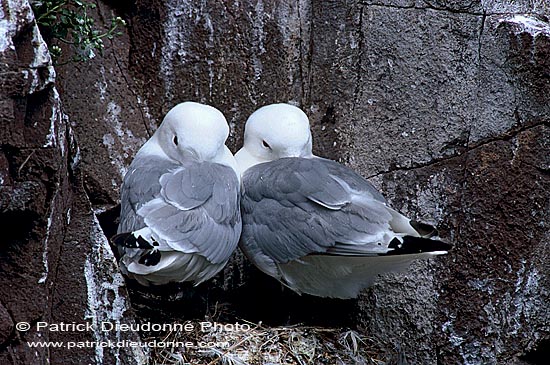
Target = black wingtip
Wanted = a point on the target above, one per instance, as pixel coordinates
(150, 258)
(128, 240)
(412, 245)
(425, 230)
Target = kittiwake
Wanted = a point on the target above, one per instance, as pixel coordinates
(180, 216)
(313, 224)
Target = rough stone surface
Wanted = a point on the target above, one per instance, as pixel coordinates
(98, 294)
(6, 324)
(443, 104)
(52, 268)
(112, 127)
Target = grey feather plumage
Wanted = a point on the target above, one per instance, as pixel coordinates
(307, 206)
(141, 184)
(192, 211)
(320, 228)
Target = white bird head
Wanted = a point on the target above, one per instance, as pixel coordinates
(193, 130)
(272, 132)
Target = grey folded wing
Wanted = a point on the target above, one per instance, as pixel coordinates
(191, 208)
(141, 184)
(293, 207)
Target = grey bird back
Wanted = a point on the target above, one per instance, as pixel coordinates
(197, 205)
(293, 207)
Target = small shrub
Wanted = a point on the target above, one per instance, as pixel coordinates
(67, 21)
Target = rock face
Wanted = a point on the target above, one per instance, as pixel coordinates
(55, 263)
(443, 104)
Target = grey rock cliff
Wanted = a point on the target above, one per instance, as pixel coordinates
(444, 105)
(55, 263)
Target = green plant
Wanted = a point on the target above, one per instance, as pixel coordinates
(68, 22)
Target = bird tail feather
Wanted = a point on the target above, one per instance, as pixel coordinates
(343, 277)
(413, 245)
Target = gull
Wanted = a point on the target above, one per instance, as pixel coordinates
(313, 224)
(180, 217)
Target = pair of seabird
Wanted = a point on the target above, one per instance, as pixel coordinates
(313, 224)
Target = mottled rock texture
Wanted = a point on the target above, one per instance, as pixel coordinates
(443, 104)
(55, 263)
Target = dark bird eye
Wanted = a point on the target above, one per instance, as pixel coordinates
(176, 140)
(266, 145)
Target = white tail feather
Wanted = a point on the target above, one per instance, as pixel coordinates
(342, 277)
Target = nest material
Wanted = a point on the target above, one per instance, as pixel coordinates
(292, 345)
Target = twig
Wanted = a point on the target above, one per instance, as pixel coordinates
(25, 162)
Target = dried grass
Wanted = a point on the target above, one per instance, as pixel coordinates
(286, 345)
